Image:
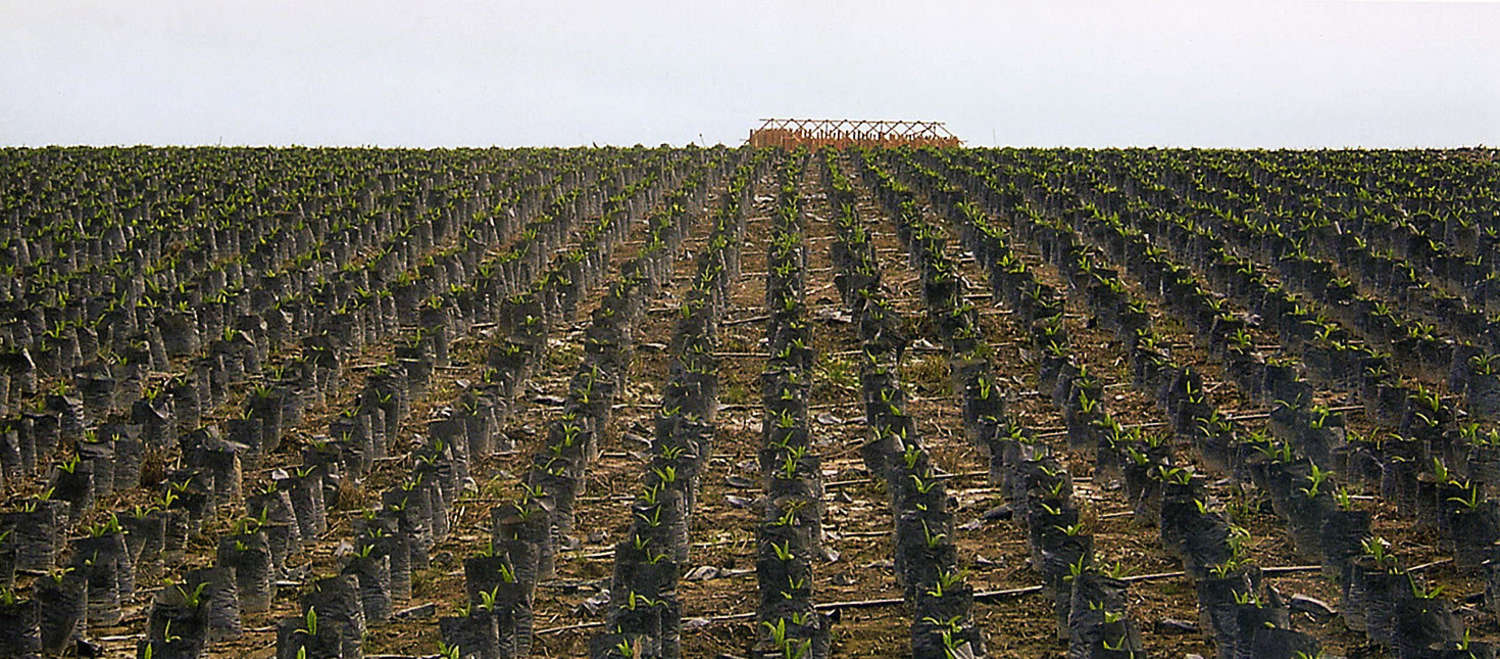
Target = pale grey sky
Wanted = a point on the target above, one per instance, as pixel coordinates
(1051, 72)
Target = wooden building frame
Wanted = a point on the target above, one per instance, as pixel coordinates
(843, 133)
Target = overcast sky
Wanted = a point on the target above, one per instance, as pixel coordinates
(1052, 72)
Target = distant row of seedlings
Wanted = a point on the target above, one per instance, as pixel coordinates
(790, 532)
(1428, 212)
(645, 614)
(934, 584)
(1424, 256)
(1227, 241)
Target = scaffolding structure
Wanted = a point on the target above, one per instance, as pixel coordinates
(843, 133)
